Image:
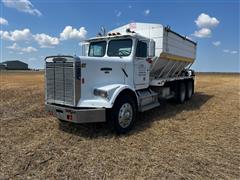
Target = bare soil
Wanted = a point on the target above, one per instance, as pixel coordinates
(197, 140)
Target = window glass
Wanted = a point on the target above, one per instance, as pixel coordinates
(119, 47)
(97, 49)
(141, 50)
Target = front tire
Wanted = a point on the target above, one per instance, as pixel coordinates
(123, 114)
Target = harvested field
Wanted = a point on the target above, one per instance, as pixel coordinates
(197, 140)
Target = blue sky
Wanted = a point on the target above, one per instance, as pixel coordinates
(32, 30)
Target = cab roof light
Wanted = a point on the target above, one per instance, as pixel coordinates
(128, 30)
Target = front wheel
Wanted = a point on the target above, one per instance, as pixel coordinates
(123, 114)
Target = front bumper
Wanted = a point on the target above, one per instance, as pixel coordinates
(76, 115)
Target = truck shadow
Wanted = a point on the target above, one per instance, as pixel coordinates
(167, 109)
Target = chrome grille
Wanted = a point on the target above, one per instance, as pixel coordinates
(60, 82)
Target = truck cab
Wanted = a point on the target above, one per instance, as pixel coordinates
(110, 82)
(127, 53)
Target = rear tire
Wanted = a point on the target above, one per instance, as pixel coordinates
(123, 114)
(189, 89)
(181, 92)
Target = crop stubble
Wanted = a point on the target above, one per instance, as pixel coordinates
(199, 139)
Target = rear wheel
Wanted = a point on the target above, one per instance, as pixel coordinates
(123, 114)
(181, 93)
(189, 89)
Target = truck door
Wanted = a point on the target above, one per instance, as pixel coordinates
(141, 66)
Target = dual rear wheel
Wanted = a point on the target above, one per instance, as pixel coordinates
(185, 90)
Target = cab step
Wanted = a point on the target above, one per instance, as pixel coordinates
(149, 106)
(148, 99)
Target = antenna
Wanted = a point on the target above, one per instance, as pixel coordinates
(99, 34)
(103, 31)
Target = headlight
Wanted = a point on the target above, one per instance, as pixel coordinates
(99, 92)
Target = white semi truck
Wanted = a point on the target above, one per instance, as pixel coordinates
(129, 70)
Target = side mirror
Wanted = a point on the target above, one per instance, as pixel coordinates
(151, 50)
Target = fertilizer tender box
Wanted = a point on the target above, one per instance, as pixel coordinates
(128, 70)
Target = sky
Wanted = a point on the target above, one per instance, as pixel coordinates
(32, 30)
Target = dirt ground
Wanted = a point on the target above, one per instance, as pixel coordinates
(197, 140)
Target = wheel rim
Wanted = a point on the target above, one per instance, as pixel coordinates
(125, 115)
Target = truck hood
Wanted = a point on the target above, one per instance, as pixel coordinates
(97, 72)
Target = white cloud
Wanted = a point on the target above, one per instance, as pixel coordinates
(205, 21)
(129, 6)
(16, 47)
(71, 33)
(29, 49)
(146, 12)
(32, 59)
(46, 41)
(13, 47)
(230, 51)
(3, 21)
(189, 38)
(118, 13)
(17, 35)
(234, 52)
(23, 6)
(203, 33)
(216, 43)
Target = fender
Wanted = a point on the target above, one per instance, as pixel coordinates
(114, 90)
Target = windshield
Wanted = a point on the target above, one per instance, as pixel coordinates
(97, 49)
(119, 47)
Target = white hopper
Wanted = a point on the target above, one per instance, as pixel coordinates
(173, 52)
